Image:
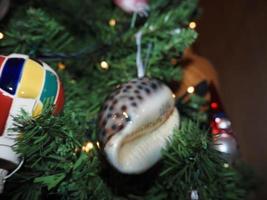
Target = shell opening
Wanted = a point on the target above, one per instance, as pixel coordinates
(137, 153)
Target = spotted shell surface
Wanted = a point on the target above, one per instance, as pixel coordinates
(125, 106)
(129, 114)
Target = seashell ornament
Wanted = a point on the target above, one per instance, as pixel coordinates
(136, 122)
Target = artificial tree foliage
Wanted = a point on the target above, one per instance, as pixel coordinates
(77, 35)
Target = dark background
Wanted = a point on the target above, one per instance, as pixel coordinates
(233, 36)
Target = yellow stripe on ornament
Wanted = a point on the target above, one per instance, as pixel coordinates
(37, 110)
(31, 81)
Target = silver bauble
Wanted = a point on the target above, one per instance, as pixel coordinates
(226, 144)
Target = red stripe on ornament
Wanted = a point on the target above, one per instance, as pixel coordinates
(2, 58)
(60, 99)
(5, 102)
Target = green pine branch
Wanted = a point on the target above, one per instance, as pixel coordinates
(37, 33)
(55, 166)
(191, 163)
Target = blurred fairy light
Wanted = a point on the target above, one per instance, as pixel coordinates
(112, 22)
(192, 25)
(174, 61)
(104, 65)
(87, 147)
(72, 81)
(225, 165)
(61, 66)
(151, 28)
(214, 105)
(190, 89)
(176, 31)
(97, 144)
(1, 36)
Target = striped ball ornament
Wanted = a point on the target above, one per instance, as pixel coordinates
(26, 83)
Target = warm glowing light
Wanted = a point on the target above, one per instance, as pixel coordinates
(1, 36)
(112, 22)
(97, 144)
(72, 81)
(104, 65)
(192, 25)
(173, 96)
(174, 61)
(225, 165)
(88, 147)
(61, 66)
(190, 89)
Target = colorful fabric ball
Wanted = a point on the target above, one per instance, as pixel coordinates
(26, 84)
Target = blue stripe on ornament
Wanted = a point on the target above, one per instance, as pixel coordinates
(50, 87)
(11, 75)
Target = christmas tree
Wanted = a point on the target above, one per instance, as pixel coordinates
(122, 134)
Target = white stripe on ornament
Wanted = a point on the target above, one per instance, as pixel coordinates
(17, 105)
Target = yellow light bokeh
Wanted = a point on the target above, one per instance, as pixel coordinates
(192, 25)
(61, 66)
(1, 36)
(174, 61)
(98, 145)
(112, 22)
(225, 165)
(72, 81)
(87, 147)
(190, 89)
(104, 65)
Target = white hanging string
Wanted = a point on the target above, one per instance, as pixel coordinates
(139, 62)
(4, 176)
(194, 195)
(19, 166)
